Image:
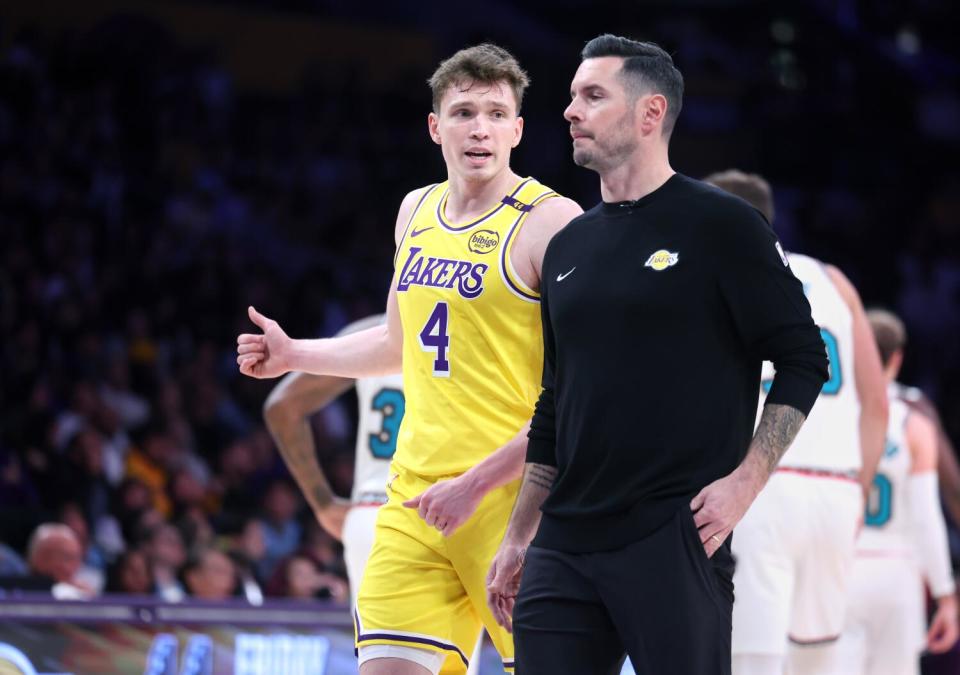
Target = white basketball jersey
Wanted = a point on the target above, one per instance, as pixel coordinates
(381, 404)
(830, 438)
(887, 521)
(381, 409)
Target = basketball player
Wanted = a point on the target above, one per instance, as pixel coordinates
(795, 545)
(463, 320)
(904, 540)
(381, 405)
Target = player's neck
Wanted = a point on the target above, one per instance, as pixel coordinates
(473, 198)
(641, 174)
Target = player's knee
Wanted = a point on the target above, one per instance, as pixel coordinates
(757, 664)
(399, 660)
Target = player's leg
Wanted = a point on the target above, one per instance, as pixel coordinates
(471, 549)
(401, 662)
(474, 668)
(764, 544)
(897, 616)
(669, 603)
(412, 609)
(824, 569)
(358, 533)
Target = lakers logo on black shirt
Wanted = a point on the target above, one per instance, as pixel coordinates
(661, 260)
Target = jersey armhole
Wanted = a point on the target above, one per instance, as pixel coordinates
(510, 276)
(413, 215)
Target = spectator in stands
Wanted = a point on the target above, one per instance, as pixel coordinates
(298, 577)
(281, 531)
(209, 575)
(131, 574)
(166, 554)
(55, 552)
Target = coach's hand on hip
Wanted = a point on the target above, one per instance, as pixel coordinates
(719, 507)
(448, 504)
(263, 356)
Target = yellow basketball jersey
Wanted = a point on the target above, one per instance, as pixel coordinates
(472, 346)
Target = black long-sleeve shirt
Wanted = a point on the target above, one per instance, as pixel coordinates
(657, 315)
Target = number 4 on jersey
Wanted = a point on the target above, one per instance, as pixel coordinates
(435, 339)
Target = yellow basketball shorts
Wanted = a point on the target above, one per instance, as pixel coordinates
(421, 589)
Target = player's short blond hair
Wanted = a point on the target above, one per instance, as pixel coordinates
(750, 187)
(889, 332)
(482, 64)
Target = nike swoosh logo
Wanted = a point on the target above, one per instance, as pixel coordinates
(561, 277)
(415, 233)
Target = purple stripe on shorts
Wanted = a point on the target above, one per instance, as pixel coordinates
(361, 637)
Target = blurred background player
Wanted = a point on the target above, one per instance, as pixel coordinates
(904, 540)
(795, 545)
(381, 406)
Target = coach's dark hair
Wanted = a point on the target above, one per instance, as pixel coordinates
(646, 68)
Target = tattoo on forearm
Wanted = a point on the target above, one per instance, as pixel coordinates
(778, 427)
(541, 475)
(297, 449)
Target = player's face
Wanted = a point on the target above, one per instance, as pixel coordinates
(601, 114)
(476, 127)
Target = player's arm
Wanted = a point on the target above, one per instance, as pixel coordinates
(368, 353)
(286, 412)
(948, 468)
(930, 531)
(870, 382)
(449, 504)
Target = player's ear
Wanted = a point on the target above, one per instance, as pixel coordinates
(518, 132)
(433, 126)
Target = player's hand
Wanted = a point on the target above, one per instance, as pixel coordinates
(720, 505)
(263, 356)
(944, 630)
(448, 504)
(332, 515)
(503, 582)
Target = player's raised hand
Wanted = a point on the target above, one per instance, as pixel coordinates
(943, 631)
(263, 356)
(503, 583)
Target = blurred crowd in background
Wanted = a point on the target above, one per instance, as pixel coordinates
(148, 195)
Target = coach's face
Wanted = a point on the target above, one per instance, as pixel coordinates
(476, 127)
(601, 114)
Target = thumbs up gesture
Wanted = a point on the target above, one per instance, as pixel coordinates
(267, 355)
